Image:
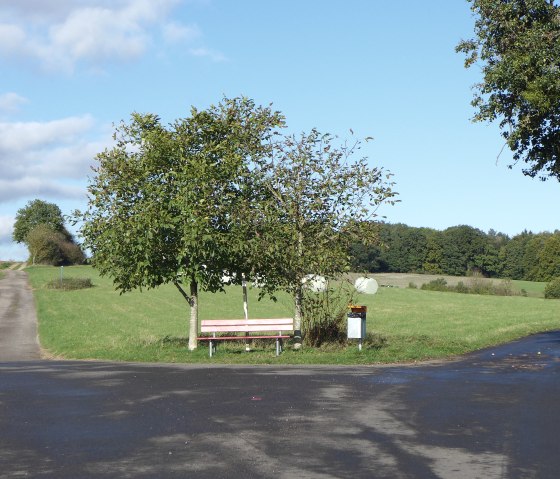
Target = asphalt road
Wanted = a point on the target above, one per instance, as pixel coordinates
(494, 414)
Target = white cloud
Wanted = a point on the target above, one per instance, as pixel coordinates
(12, 38)
(6, 228)
(177, 33)
(30, 187)
(60, 34)
(10, 102)
(50, 158)
(24, 136)
(213, 55)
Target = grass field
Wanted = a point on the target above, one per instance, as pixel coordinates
(407, 324)
(533, 289)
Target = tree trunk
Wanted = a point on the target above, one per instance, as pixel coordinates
(193, 323)
(298, 294)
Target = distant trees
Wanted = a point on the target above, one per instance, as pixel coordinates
(461, 250)
(40, 225)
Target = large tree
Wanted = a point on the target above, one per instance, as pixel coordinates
(317, 200)
(37, 212)
(517, 47)
(40, 225)
(167, 204)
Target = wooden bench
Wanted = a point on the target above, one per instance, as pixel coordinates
(278, 325)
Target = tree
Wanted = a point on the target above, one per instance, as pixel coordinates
(531, 257)
(434, 253)
(320, 201)
(405, 249)
(37, 212)
(518, 45)
(512, 256)
(40, 225)
(167, 204)
(461, 246)
(549, 258)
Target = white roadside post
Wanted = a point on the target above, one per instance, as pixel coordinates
(245, 307)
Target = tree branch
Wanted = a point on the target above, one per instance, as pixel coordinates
(182, 291)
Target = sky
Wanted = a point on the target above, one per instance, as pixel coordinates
(72, 69)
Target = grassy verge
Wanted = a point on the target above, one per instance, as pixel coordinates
(408, 324)
(5, 264)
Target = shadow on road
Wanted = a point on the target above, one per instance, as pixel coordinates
(492, 414)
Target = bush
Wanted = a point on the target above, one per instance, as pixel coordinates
(503, 288)
(69, 284)
(552, 289)
(435, 285)
(476, 285)
(55, 248)
(412, 285)
(44, 245)
(72, 253)
(324, 314)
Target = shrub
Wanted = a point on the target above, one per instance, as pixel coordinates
(69, 284)
(72, 253)
(478, 285)
(47, 246)
(503, 288)
(44, 245)
(324, 314)
(412, 285)
(435, 285)
(462, 288)
(552, 289)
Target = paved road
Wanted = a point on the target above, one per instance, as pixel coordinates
(18, 320)
(494, 414)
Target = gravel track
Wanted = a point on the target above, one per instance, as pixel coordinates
(18, 319)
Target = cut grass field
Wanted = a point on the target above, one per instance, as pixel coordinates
(407, 324)
(534, 289)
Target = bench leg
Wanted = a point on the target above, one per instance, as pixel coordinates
(278, 347)
(210, 347)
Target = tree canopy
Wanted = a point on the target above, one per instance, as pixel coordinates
(37, 212)
(321, 199)
(219, 193)
(517, 46)
(40, 225)
(167, 204)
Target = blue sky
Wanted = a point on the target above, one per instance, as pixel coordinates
(72, 68)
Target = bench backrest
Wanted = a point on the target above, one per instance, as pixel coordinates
(225, 325)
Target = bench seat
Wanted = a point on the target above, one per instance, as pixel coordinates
(281, 325)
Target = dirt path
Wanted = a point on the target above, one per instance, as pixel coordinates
(18, 319)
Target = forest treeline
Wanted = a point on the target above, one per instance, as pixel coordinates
(460, 251)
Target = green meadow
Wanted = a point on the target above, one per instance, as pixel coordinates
(404, 325)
